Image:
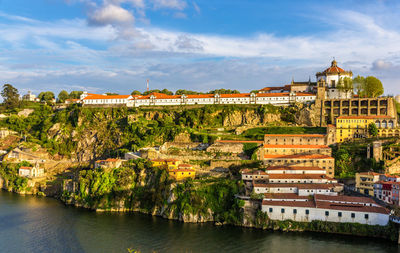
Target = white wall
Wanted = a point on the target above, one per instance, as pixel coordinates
(319, 214)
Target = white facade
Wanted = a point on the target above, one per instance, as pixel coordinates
(294, 170)
(158, 99)
(301, 190)
(30, 172)
(332, 77)
(299, 213)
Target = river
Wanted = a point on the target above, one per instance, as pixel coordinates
(38, 224)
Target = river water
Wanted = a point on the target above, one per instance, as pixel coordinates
(35, 224)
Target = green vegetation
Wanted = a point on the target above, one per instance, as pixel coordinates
(389, 232)
(258, 133)
(140, 187)
(369, 86)
(250, 150)
(10, 96)
(9, 173)
(46, 96)
(372, 130)
(351, 158)
(62, 96)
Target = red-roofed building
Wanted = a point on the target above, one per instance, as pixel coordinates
(108, 163)
(333, 81)
(303, 160)
(325, 208)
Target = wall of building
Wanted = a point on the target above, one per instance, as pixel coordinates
(327, 164)
(319, 214)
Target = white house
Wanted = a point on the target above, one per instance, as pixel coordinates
(333, 77)
(31, 172)
(327, 208)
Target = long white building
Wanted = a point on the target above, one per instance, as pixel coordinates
(160, 99)
(325, 208)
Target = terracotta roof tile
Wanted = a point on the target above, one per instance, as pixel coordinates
(297, 146)
(299, 156)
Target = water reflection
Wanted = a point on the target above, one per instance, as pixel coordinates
(31, 224)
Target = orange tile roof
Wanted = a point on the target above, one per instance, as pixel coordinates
(343, 198)
(235, 95)
(26, 168)
(238, 141)
(285, 196)
(299, 176)
(298, 185)
(328, 205)
(366, 117)
(201, 96)
(293, 168)
(351, 207)
(295, 135)
(98, 96)
(300, 156)
(288, 203)
(296, 146)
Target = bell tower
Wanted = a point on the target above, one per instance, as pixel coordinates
(321, 89)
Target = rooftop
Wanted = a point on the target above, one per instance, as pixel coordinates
(366, 117)
(293, 168)
(299, 156)
(296, 135)
(296, 146)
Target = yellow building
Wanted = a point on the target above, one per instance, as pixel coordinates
(183, 171)
(353, 127)
(365, 182)
(174, 163)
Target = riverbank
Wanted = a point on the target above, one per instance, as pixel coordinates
(141, 188)
(38, 224)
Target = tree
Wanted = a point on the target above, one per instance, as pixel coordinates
(224, 91)
(372, 129)
(75, 94)
(187, 92)
(373, 87)
(62, 96)
(135, 92)
(369, 86)
(46, 96)
(345, 84)
(10, 96)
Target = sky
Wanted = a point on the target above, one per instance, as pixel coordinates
(116, 45)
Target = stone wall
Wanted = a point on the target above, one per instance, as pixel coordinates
(333, 108)
(234, 148)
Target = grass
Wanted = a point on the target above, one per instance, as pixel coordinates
(259, 132)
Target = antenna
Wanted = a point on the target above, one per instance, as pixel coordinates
(147, 84)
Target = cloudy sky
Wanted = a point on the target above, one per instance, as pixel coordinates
(115, 45)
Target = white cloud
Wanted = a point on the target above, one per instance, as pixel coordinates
(110, 14)
(169, 4)
(381, 65)
(94, 55)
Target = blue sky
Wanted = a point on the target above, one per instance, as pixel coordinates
(115, 45)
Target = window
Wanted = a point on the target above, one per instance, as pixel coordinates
(353, 215)
(307, 212)
(270, 209)
(326, 213)
(294, 211)
(339, 214)
(366, 216)
(283, 210)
